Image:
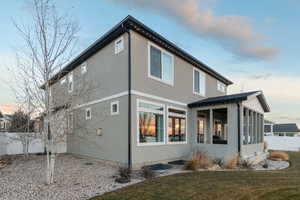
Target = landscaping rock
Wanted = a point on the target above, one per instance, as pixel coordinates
(25, 179)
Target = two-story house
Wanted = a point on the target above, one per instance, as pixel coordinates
(134, 97)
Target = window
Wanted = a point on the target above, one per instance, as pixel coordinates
(88, 113)
(119, 45)
(199, 82)
(161, 65)
(176, 125)
(83, 68)
(70, 121)
(203, 119)
(70, 82)
(114, 108)
(150, 123)
(221, 87)
(220, 129)
(63, 80)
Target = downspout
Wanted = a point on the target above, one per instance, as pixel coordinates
(239, 128)
(129, 99)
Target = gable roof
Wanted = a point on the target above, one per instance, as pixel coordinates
(130, 23)
(290, 128)
(233, 98)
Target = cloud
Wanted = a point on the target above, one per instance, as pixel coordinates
(8, 108)
(281, 92)
(232, 32)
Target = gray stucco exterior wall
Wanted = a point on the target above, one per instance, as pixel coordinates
(182, 90)
(106, 76)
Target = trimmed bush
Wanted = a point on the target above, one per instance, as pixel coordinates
(124, 175)
(147, 173)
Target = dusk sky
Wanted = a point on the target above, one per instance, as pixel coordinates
(253, 43)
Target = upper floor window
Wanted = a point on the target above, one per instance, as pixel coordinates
(161, 65)
(119, 45)
(221, 87)
(70, 82)
(83, 68)
(199, 82)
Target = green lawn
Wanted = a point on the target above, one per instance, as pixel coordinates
(275, 185)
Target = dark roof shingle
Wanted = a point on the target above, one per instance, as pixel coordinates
(282, 128)
(233, 98)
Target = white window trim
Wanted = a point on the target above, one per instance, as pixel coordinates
(63, 80)
(162, 72)
(186, 124)
(204, 75)
(83, 68)
(86, 110)
(138, 101)
(221, 87)
(70, 90)
(117, 50)
(111, 108)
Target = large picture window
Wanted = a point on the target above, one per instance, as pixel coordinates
(199, 82)
(176, 125)
(161, 66)
(150, 123)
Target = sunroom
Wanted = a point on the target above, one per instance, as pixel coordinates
(229, 126)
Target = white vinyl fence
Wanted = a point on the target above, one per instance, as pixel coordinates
(10, 144)
(283, 143)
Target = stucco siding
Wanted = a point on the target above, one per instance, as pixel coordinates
(107, 74)
(182, 90)
(112, 144)
(253, 104)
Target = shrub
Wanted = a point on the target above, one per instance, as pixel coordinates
(124, 175)
(232, 163)
(279, 155)
(147, 173)
(190, 165)
(199, 161)
(265, 145)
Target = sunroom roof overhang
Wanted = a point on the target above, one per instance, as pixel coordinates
(233, 98)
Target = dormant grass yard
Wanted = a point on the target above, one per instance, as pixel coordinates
(243, 185)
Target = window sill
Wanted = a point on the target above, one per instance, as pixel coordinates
(162, 81)
(199, 94)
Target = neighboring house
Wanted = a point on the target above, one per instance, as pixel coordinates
(290, 130)
(135, 98)
(268, 127)
(5, 122)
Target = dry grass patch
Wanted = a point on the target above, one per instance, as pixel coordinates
(199, 161)
(279, 155)
(232, 163)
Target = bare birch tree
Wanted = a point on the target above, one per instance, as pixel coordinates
(49, 41)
